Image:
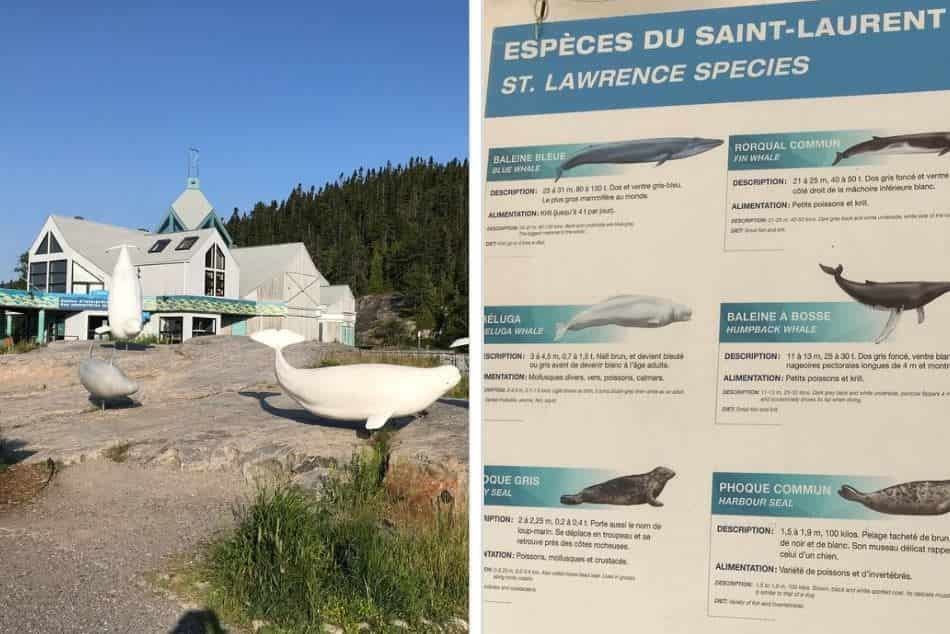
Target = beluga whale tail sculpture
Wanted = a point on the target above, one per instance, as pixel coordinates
(125, 298)
(895, 297)
(105, 381)
(657, 151)
(373, 392)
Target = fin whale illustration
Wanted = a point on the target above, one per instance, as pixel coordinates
(643, 488)
(631, 311)
(895, 297)
(925, 497)
(924, 143)
(374, 392)
(105, 381)
(125, 298)
(657, 151)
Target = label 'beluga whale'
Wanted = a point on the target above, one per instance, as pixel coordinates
(895, 297)
(374, 392)
(657, 151)
(924, 143)
(125, 298)
(630, 311)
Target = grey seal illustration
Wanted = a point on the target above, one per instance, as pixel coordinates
(895, 297)
(643, 488)
(657, 151)
(924, 143)
(926, 497)
(631, 311)
(105, 381)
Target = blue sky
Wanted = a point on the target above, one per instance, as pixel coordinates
(100, 102)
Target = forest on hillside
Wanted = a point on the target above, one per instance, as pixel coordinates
(398, 228)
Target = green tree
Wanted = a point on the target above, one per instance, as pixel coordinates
(21, 269)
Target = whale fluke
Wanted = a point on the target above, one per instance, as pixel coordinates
(560, 330)
(838, 270)
(558, 173)
(851, 494)
(839, 156)
(277, 339)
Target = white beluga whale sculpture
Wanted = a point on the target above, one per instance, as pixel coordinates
(630, 311)
(125, 298)
(105, 381)
(373, 392)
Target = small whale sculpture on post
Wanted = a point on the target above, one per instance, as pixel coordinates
(657, 151)
(125, 298)
(895, 297)
(374, 392)
(105, 381)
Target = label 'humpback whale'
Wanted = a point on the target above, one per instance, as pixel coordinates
(895, 297)
(657, 151)
(631, 311)
(374, 392)
(925, 143)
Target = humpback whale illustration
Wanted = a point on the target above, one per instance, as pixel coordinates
(374, 392)
(925, 143)
(125, 298)
(895, 297)
(926, 497)
(105, 381)
(657, 151)
(631, 311)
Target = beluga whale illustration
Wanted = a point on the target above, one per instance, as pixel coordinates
(374, 392)
(105, 381)
(924, 143)
(630, 311)
(125, 298)
(657, 151)
(895, 297)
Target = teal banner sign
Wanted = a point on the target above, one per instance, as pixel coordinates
(798, 149)
(799, 322)
(540, 487)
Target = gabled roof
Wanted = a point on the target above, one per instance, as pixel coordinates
(91, 239)
(259, 264)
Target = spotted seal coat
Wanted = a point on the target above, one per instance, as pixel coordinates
(643, 488)
(926, 497)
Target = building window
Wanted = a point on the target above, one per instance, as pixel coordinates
(38, 276)
(48, 245)
(186, 243)
(57, 276)
(159, 246)
(203, 326)
(214, 271)
(84, 282)
(170, 329)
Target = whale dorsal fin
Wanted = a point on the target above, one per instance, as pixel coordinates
(616, 297)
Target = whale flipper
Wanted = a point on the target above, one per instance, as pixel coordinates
(944, 151)
(889, 327)
(664, 159)
(376, 421)
(920, 314)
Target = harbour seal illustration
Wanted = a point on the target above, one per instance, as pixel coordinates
(657, 151)
(924, 143)
(643, 488)
(925, 497)
(895, 297)
(631, 311)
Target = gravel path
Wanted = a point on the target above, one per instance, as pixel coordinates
(74, 560)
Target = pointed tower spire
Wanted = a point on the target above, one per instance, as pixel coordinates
(193, 180)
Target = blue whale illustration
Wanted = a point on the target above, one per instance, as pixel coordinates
(657, 151)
